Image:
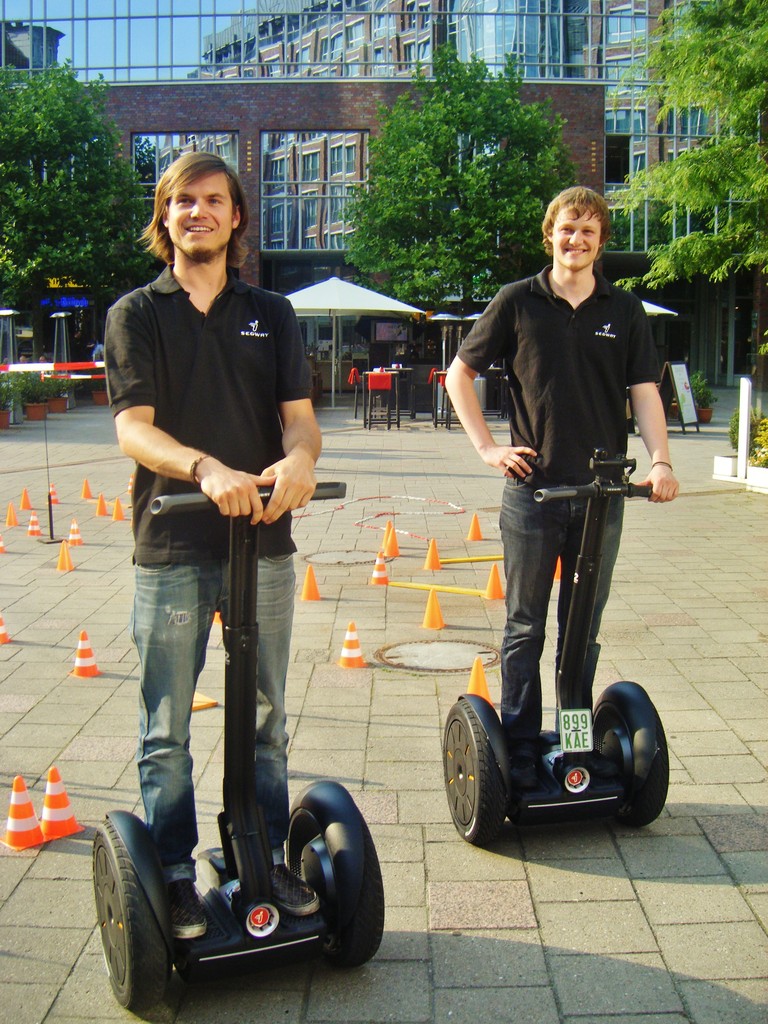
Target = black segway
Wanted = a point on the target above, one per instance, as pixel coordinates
(328, 844)
(624, 726)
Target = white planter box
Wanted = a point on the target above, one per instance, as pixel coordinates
(757, 479)
(725, 466)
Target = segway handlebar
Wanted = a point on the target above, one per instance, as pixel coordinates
(596, 489)
(166, 503)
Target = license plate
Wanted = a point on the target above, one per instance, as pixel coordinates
(576, 730)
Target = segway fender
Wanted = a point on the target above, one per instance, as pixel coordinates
(149, 870)
(339, 822)
(636, 708)
(489, 720)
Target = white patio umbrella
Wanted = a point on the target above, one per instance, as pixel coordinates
(334, 298)
(652, 309)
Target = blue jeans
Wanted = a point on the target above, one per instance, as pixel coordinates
(173, 611)
(534, 536)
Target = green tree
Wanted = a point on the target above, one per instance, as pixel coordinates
(459, 178)
(71, 204)
(710, 56)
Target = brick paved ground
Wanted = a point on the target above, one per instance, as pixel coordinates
(553, 925)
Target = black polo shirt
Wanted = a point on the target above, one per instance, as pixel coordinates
(214, 381)
(568, 369)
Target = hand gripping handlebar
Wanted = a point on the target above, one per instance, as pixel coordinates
(199, 502)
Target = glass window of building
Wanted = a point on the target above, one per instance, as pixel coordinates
(153, 153)
(309, 178)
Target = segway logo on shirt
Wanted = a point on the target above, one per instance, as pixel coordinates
(605, 332)
(254, 331)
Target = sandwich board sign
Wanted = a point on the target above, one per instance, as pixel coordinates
(676, 385)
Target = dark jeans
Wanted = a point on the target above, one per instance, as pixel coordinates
(534, 536)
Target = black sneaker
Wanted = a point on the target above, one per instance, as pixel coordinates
(522, 772)
(187, 913)
(292, 894)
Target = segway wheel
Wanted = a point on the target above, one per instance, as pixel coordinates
(136, 956)
(337, 857)
(473, 784)
(357, 942)
(613, 731)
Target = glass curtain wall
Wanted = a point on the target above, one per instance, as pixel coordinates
(204, 40)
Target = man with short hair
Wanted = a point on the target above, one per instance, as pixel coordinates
(210, 391)
(572, 344)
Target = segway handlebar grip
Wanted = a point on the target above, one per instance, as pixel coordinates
(199, 502)
(639, 490)
(560, 493)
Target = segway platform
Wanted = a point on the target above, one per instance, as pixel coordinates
(623, 729)
(329, 845)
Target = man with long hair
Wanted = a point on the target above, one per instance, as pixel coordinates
(210, 391)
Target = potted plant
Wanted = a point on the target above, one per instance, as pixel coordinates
(6, 400)
(703, 396)
(32, 391)
(757, 470)
(98, 388)
(56, 397)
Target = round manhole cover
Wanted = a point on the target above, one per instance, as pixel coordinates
(341, 558)
(437, 655)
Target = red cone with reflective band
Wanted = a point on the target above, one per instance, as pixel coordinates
(22, 829)
(351, 654)
(75, 539)
(85, 663)
(379, 576)
(58, 818)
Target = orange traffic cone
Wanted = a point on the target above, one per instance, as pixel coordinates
(4, 638)
(494, 591)
(379, 577)
(10, 518)
(2, 546)
(558, 569)
(309, 591)
(200, 702)
(54, 498)
(130, 486)
(101, 506)
(58, 819)
(474, 529)
(117, 513)
(433, 559)
(25, 504)
(217, 618)
(478, 684)
(75, 540)
(33, 530)
(85, 663)
(351, 655)
(64, 563)
(433, 616)
(86, 491)
(390, 546)
(23, 829)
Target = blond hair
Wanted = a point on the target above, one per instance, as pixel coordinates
(178, 176)
(581, 201)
